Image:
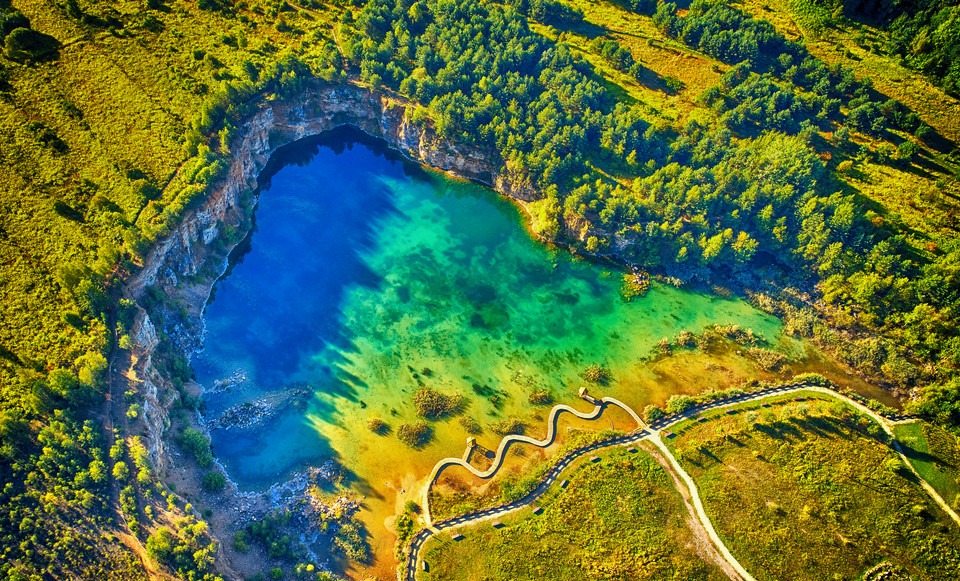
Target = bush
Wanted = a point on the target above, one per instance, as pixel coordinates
(767, 359)
(414, 435)
(652, 413)
(378, 426)
(24, 43)
(509, 426)
(350, 538)
(541, 397)
(214, 481)
(471, 425)
(433, 404)
(596, 374)
(679, 403)
(197, 444)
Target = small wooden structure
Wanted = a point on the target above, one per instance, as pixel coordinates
(632, 450)
(537, 509)
(497, 524)
(425, 566)
(564, 483)
(585, 395)
(457, 537)
(594, 458)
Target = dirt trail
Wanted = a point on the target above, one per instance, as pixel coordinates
(704, 545)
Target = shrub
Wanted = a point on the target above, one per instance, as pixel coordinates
(214, 481)
(471, 425)
(240, 541)
(414, 435)
(350, 538)
(508, 426)
(679, 403)
(652, 413)
(596, 374)
(378, 426)
(197, 444)
(541, 397)
(767, 359)
(433, 404)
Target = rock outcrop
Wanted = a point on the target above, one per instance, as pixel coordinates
(321, 108)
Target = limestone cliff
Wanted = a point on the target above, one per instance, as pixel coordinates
(321, 108)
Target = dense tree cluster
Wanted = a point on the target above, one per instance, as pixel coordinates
(487, 80)
(927, 36)
(189, 551)
(50, 487)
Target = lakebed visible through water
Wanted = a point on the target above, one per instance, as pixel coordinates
(366, 274)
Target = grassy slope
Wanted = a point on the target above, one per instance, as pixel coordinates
(935, 453)
(812, 493)
(630, 527)
(908, 193)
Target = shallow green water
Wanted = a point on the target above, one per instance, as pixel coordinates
(363, 268)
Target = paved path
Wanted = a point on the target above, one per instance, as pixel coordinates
(651, 432)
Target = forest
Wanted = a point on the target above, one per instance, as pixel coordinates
(751, 192)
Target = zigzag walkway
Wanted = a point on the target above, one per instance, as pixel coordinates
(652, 431)
(514, 439)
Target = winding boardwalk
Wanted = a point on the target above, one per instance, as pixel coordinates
(651, 432)
(517, 439)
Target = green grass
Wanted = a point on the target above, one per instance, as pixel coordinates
(626, 527)
(812, 491)
(935, 455)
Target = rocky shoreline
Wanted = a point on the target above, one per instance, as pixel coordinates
(253, 415)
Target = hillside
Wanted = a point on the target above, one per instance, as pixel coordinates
(802, 155)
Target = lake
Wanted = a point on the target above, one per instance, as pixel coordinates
(365, 274)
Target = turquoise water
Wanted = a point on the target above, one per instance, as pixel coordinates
(364, 269)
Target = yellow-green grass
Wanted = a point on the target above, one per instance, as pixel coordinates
(122, 104)
(811, 490)
(662, 55)
(935, 454)
(860, 46)
(681, 427)
(619, 518)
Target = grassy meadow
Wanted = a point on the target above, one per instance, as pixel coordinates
(811, 490)
(630, 526)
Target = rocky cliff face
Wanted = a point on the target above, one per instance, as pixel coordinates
(321, 108)
(182, 265)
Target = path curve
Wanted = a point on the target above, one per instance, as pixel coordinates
(508, 441)
(652, 432)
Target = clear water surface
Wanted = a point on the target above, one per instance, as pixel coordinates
(363, 269)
